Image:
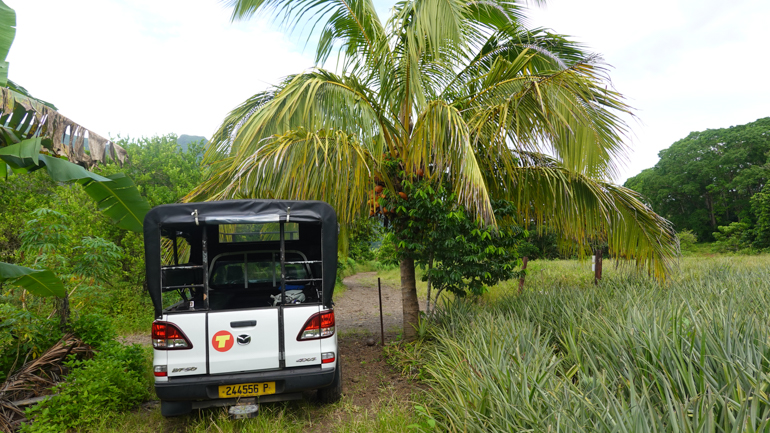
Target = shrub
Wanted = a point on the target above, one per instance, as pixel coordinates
(687, 240)
(386, 254)
(23, 337)
(732, 238)
(98, 388)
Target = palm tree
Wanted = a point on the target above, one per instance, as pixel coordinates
(450, 89)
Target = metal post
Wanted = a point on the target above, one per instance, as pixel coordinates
(283, 265)
(205, 268)
(382, 327)
(176, 253)
(281, 335)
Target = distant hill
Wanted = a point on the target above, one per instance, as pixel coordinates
(185, 139)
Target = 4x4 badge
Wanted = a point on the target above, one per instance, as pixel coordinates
(244, 339)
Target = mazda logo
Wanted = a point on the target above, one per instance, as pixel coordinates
(244, 339)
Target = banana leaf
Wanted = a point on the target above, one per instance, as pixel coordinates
(38, 282)
(120, 200)
(7, 33)
(116, 196)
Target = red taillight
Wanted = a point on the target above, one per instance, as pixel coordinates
(319, 325)
(166, 336)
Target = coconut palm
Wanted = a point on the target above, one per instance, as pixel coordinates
(455, 91)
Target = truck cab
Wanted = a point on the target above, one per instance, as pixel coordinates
(242, 292)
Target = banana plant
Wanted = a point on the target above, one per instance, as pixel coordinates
(35, 136)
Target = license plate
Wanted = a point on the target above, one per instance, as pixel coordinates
(246, 389)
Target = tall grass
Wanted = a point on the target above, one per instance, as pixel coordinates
(629, 355)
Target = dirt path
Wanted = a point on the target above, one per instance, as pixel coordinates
(357, 310)
(367, 380)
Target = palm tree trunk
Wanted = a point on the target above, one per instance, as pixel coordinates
(411, 305)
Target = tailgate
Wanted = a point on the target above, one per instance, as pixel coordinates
(243, 340)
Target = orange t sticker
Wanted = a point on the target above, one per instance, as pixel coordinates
(222, 341)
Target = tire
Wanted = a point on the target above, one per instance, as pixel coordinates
(175, 408)
(333, 392)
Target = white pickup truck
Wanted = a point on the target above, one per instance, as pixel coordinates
(242, 291)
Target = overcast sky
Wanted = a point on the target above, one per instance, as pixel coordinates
(144, 67)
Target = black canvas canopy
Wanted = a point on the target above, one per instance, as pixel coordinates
(199, 223)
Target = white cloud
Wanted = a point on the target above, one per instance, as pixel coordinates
(143, 67)
(685, 65)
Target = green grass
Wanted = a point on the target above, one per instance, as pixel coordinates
(389, 414)
(627, 355)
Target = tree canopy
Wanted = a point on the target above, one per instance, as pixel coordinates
(707, 179)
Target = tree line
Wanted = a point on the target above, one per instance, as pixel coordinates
(713, 183)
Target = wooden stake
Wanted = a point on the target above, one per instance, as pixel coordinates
(598, 267)
(524, 261)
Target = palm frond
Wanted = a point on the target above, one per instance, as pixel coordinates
(315, 101)
(565, 112)
(441, 142)
(581, 208)
(328, 165)
(352, 25)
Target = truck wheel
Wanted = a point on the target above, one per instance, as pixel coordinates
(175, 408)
(333, 392)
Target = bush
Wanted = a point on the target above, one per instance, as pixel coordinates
(98, 388)
(23, 337)
(94, 329)
(732, 238)
(386, 254)
(687, 240)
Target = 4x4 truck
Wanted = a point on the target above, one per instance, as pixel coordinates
(242, 291)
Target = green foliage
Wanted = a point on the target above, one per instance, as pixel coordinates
(96, 389)
(162, 170)
(96, 258)
(95, 329)
(733, 238)
(461, 255)
(627, 355)
(363, 234)
(760, 207)
(707, 179)
(19, 197)
(24, 336)
(544, 245)
(387, 253)
(46, 238)
(687, 240)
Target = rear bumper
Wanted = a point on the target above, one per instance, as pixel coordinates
(290, 380)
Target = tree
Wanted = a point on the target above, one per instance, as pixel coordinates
(459, 256)
(707, 179)
(35, 136)
(450, 91)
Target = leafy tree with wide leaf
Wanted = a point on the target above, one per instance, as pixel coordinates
(708, 178)
(35, 136)
(448, 88)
